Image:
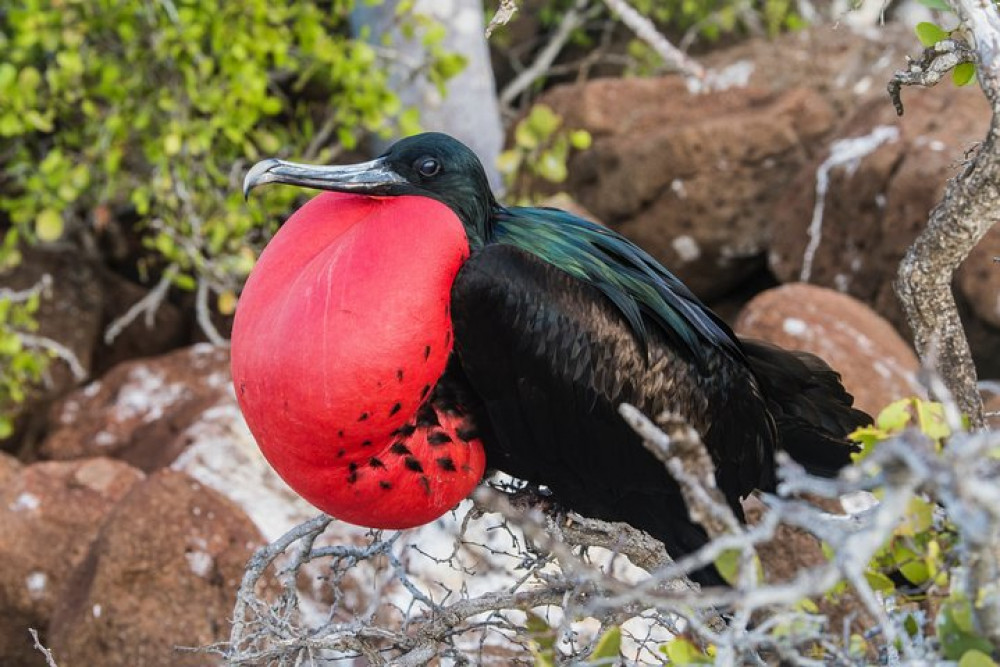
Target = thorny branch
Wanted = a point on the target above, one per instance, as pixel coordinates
(546, 561)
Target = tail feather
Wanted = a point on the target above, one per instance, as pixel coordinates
(812, 410)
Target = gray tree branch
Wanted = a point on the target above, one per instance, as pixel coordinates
(969, 208)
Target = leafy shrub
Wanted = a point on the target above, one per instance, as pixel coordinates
(158, 108)
(540, 151)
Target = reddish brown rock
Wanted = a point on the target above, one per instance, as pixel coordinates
(877, 201)
(138, 411)
(690, 178)
(979, 278)
(847, 66)
(162, 574)
(50, 512)
(876, 365)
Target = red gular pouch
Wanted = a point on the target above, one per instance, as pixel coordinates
(341, 333)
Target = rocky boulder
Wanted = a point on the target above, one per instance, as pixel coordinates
(161, 575)
(876, 365)
(137, 411)
(177, 411)
(848, 218)
(692, 179)
(50, 512)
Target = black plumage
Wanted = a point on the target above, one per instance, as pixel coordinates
(558, 321)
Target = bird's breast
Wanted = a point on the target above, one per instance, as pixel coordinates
(342, 331)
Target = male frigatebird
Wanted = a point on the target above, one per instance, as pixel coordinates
(404, 331)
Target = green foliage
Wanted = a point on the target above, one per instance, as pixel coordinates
(160, 107)
(681, 651)
(729, 563)
(922, 548)
(712, 20)
(607, 649)
(20, 365)
(541, 148)
(930, 34)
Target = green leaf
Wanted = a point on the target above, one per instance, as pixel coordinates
(879, 581)
(551, 167)
(931, 419)
(976, 658)
(226, 302)
(930, 34)
(543, 121)
(940, 5)
(608, 646)
(680, 651)
(963, 74)
(895, 416)
(580, 139)
(524, 137)
(509, 161)
(6, 427)
(49, 225)
(911, 626)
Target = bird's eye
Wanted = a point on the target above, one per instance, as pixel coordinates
(428, 166)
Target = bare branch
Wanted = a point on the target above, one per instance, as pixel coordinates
(204, 316)
(689, 463)
(935, 62)
(572, 19)
(20, 296)
(147, 306)
(50, 661)
(505, 12)
(647, 32)
(59, 350)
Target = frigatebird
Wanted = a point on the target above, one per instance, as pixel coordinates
(404, 331)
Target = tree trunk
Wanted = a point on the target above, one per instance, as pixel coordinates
(469, 111)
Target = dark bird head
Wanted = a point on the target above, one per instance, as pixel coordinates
(429, 165)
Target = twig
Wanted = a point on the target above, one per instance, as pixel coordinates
(647, 32)
(20, 296)
(689, 463)
(505, 12)
(147, 305)
(50, 661)
(572, 19)
(59, 350)
(204, 316)
(935, 62)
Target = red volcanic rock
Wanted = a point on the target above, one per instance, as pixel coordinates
(138, 409)
(979, 278)
(690, 178)
(161, 574)
(850, 215)
(876, 365)
(50, 512)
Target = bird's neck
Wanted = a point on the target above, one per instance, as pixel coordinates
(479, 217)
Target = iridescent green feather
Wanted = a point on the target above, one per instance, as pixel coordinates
(631, 278)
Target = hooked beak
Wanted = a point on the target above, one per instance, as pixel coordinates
(374, 177)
